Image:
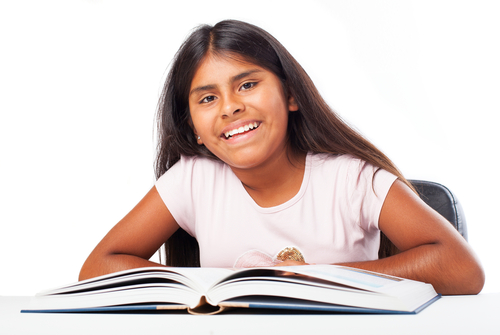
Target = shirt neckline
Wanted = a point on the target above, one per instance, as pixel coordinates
(286, 204)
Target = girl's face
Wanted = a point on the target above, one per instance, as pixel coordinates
(239, 110)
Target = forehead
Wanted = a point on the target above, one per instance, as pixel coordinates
(215, 69)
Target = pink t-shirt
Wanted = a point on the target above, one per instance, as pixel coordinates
(332, 219)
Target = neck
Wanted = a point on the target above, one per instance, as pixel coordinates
(277, 181)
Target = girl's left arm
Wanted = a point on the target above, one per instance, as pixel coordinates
(432, 250)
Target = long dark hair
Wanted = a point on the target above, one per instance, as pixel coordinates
(313, 128)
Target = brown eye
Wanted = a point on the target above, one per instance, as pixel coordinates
(247, 86)
(208, 99)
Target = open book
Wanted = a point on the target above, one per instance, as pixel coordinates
(212, 290)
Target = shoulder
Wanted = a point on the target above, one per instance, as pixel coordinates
(351, 172)
(198, 161)
(191, 171)
(334, 158)
(194, 164)
(339, 164)
(189, 187)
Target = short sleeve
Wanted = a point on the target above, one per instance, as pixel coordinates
(175, 189)
(370, 186)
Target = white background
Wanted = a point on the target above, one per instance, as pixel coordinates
(80, 80)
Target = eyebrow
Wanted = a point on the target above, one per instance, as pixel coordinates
(232, 80)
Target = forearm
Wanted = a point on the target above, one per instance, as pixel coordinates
(432, 250)
(448, 269)
(96, 266)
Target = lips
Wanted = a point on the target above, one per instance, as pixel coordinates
(241, 129)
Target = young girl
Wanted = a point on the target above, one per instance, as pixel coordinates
(254, 164)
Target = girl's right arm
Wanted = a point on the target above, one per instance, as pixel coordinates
(133, 240)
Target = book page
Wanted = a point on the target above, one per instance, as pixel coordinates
(317, 275)
(324, 283)
(360, 279)
(204, 278)
(198, 279)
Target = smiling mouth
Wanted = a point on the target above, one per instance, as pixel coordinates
(241, 130)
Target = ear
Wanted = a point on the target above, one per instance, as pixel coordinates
(198, 139)
(292, 104)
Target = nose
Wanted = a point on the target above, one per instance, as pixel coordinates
(231, 105)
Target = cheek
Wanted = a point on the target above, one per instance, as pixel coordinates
(276, 105)
(275, 97)
(202, 123)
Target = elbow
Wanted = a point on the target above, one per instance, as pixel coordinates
(82, 276)
(90, 268)
(476, 280)
(470, 282)
(466, 274)
(473, 276)
(84, 272)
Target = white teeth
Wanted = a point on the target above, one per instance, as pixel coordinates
(241, 130)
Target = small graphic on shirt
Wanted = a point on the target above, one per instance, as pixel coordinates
(256, 258)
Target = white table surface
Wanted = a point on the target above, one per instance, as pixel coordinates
(475, 315)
